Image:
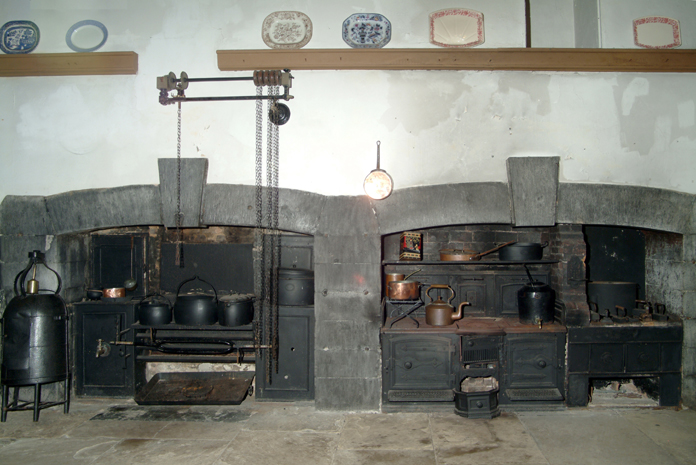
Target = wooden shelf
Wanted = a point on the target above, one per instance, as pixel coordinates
(512, 59)
(68, 64)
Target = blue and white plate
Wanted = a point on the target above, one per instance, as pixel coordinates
(366, 30)
(19, 37)
(86, 36)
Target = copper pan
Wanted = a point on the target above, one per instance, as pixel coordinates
(114, 292)
(463, 255)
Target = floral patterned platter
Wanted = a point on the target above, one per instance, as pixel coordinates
(456, 27)
(656, 32)
(366, 30)
(19, 37)
(286, 29)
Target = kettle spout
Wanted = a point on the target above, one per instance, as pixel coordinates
(460, 311)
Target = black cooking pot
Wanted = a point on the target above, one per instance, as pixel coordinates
(295, 287)
(154, 310)
(536, 303)
(235, 310)
(522, 251)
(608, 294)
(195, 308)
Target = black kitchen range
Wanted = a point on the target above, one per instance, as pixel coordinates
(498, 331)
(195, 339)
(464, 327)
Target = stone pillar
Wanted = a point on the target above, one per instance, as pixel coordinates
(689, 317)
(347, 306)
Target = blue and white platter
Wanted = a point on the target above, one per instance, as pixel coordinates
(366, 30)
(86, 36)
(19, 37)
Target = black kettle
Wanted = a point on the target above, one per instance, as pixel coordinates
(536, 302)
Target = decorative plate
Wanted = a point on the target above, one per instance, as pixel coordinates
(656, 32)
(86, 36)
(286, 29)
(19, 37)
(366, 30)
(456, 27)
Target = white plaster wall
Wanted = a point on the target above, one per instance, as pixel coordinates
(65, 133)
(616, 17)
(552, 23)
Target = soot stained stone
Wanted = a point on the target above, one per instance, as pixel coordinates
(360, 394)
(533, 183)
(347, 215)
(104, 208)
(442, 205)
(194, 172)
(349, 363)
(348, 249)
(640, 207)
(25, 215)
(347, 335)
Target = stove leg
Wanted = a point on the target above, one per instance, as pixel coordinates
(578, 390)
(670, 389)
(66, 405)
(5, 394)
(37, 401)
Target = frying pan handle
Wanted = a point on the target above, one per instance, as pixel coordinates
(479, 255)
(440, 286)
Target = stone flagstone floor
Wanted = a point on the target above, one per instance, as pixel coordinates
(260, 433)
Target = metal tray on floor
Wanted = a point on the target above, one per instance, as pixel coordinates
(207, 388)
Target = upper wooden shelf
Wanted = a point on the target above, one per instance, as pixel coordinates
(68, 64)
(512, 59)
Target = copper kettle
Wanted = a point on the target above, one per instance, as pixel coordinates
(439, 312)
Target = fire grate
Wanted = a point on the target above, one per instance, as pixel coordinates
(534, 394)
(421, 395)
(229, 388)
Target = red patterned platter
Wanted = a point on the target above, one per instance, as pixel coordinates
(456, 27)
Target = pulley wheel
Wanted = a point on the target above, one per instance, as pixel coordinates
(279, 114)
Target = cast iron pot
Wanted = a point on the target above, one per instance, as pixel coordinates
(195, 308)
(536, 303)
(522, 251)
(236, 310)
(608, 294)
(154, 310)
(295, 287)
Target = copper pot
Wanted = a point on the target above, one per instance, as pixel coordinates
(391, 277)
(114, 292)
(404, 290)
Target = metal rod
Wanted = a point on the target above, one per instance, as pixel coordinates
(209, 99)
(249, 78)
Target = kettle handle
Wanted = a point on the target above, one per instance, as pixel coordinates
(440, 286)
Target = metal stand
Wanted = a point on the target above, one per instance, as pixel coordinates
(36, 405)
(411, 306)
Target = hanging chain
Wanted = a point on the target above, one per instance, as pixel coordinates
(258, 235)
(273, 91)
(179, 253)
